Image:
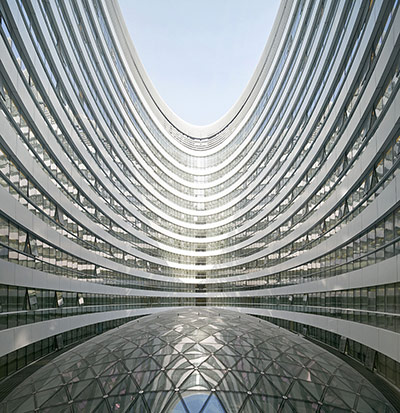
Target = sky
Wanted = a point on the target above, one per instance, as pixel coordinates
(199, 54)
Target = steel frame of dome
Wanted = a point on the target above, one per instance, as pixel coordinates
(111, 207)
(199, 360)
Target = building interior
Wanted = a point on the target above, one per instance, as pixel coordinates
(151, 265)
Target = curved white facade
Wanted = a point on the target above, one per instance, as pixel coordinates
(288, 207)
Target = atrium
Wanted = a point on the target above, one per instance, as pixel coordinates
(150, 265)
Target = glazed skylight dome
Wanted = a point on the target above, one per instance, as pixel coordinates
(192, 360)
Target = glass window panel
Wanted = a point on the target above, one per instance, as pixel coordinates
(389, 228)
(390, 299)
(33, 303)
(380, 298)
(59, 299)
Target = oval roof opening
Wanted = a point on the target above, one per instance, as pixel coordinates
(199, 55)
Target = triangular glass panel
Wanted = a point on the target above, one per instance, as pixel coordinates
(109, 359)
(213, 363)
(94, 359)
(21, 404)
(85, 375)
(213, 377)
(90, 405)
(92, 391)
(71, 374)
(182, 347)
(241, 344)
(329, 367)
(194, 401)
(286, 407)
(314, 365)
(266, 403)
(232, 400)
(257, 354)
(115, 369)
(370, 392)
(47, 373)
(285, 358)
(125, 386)
(184, 340)
(225, 337)
(299, 357)
(99, 368)
(269, 353)
(109, 382)
(157, 341)
(265, 387)
(133, 363)
(181, 363)
(292, 369)
(314, 389)
(139, 406)
(275, 368)
(125, 353)
(143, 341)
(322, 375)
(228, 351)
(76, 388)
(121, 403)
(25, 390)
(247, 378)
(259, 364)
(231, 383)
(157, 401)
(144, 378)
(170, 336)
(47, 383)
(60, 397)
(334, 409)
(151, 348)
(280, 382)
(199, 335)
(77, 365)
(364, 406)
(213, 405)
(138, 353)
(211, 340)
(42, 396)
(195, 382)
(211, 348)
(198, 359)
(301, 406)
(228, 361)
(299, 392)
(166, 360)
(165, 350)
(60, 409)
(250, 406)
(148, 364)
(334, 399)
(308, 375)
(244, 365)
(128, 348)
(160, 382)
(375, 404)
(197, 349)
(178, 376)
(342, 384)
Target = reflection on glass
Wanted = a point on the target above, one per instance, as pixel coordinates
(196, 402)
(191, 360)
